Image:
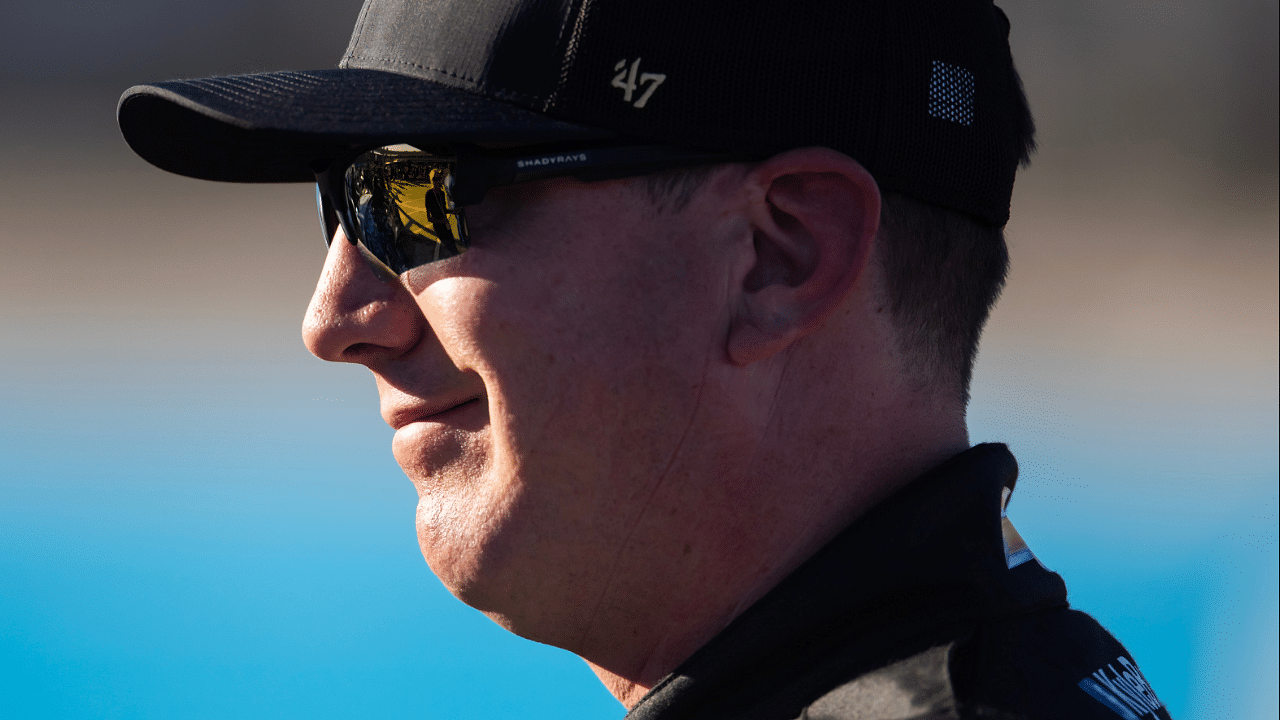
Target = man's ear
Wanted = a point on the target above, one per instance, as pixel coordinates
(814, 214)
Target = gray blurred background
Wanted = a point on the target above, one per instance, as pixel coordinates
(158, 413)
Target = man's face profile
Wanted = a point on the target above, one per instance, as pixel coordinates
(543, 386)
(583, 397)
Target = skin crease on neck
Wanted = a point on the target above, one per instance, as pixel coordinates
(649, 417)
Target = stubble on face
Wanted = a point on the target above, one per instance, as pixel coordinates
(574, 311)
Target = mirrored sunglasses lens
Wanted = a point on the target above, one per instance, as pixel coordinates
(401, 200)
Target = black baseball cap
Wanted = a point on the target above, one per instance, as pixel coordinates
(923, 93)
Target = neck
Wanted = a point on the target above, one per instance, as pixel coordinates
(805, 443)
(781, 515)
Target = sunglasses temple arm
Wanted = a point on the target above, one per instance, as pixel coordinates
(330, 217)
(476, 174)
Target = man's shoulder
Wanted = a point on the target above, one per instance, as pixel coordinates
(1052, 664)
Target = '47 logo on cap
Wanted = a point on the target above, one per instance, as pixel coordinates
(626, 80)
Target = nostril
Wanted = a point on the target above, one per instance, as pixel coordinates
(360, 350)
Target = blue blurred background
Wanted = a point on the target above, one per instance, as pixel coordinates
(198, 519)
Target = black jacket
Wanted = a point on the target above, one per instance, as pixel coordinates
(929, 606)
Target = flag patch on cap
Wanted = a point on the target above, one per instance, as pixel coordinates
(951, 93)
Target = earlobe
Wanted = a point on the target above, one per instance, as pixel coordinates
(814, 213)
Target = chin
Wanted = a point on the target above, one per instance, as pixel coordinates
(486, 570)
(486, 589)
(463, 550)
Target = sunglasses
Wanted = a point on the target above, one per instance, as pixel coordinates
(405, 204)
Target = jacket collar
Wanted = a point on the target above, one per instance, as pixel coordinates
(914, 572)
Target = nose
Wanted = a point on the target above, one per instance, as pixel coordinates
(361, 312)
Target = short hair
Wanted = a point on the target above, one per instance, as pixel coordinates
(671, 191)
(942, 271)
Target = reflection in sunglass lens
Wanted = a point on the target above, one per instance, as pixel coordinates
(400, 202)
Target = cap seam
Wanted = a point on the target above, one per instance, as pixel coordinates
(397, 61)
(564, 23)
(475, 84)
(230, 90)
(570, 53)
(291, 80)
(225, 90)
(356, 35)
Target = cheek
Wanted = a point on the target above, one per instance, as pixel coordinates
(608, 364)
(591, 358)
(593, 362)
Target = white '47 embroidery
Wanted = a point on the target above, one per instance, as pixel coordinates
(626, 79)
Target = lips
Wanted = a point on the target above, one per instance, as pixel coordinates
(437, 412)
(439, 442)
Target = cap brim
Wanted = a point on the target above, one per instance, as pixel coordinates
(276, 127)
